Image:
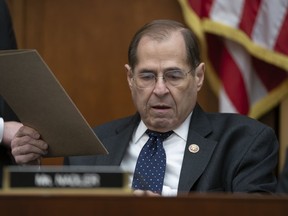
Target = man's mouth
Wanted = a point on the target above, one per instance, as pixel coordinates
(161, 107)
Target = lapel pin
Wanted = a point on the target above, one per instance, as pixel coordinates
(193, 148)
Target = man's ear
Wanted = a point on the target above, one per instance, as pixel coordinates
(129, 75)
(199, 75)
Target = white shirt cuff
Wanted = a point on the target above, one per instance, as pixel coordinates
(1, 129)
(167, 191)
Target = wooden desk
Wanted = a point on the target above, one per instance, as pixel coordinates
(90, 203)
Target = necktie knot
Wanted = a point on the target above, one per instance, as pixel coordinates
(159, 135)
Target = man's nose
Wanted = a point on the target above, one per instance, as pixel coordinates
(160, 86)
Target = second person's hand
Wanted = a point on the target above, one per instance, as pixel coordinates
(27, 147)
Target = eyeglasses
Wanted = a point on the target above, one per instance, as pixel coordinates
(148, 79)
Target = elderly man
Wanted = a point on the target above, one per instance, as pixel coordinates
(171, 146)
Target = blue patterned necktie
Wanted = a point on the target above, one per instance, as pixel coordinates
(151, 163)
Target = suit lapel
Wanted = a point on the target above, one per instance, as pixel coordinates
(195, 163)
(117, 144)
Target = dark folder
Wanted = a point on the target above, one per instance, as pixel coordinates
(39, 100)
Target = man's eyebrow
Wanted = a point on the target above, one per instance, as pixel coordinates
(172, 69)
(145, 70)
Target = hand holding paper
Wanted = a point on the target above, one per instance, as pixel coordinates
(28, 147)
(40, 102)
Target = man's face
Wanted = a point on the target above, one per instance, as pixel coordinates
(162, 106)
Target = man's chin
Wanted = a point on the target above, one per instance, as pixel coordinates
(161, 124)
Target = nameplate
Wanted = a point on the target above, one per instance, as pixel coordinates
(64, 177)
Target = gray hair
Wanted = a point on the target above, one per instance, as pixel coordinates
(159, 30)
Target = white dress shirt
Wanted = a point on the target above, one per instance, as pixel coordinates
(174, 147)
(1, 129)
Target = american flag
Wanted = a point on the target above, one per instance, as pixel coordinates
(244, 44)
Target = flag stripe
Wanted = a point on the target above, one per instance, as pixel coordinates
(257, 88)
(225, 104)
(242, 60)
(266, 28)
(201, 8)
(270, 75)
(215, 49)
(228, 14)
(281, 44)
(231, 77)
(249, 15)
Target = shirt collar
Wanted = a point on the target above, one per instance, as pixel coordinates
(140, 131)
(181, 131)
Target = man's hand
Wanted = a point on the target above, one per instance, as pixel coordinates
(145, 193)
(27, 147)
(10, 129)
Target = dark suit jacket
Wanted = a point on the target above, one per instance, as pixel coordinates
(7, 41)
(282, 186)
(237, 154)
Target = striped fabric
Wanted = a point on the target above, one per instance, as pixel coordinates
(244, 44)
